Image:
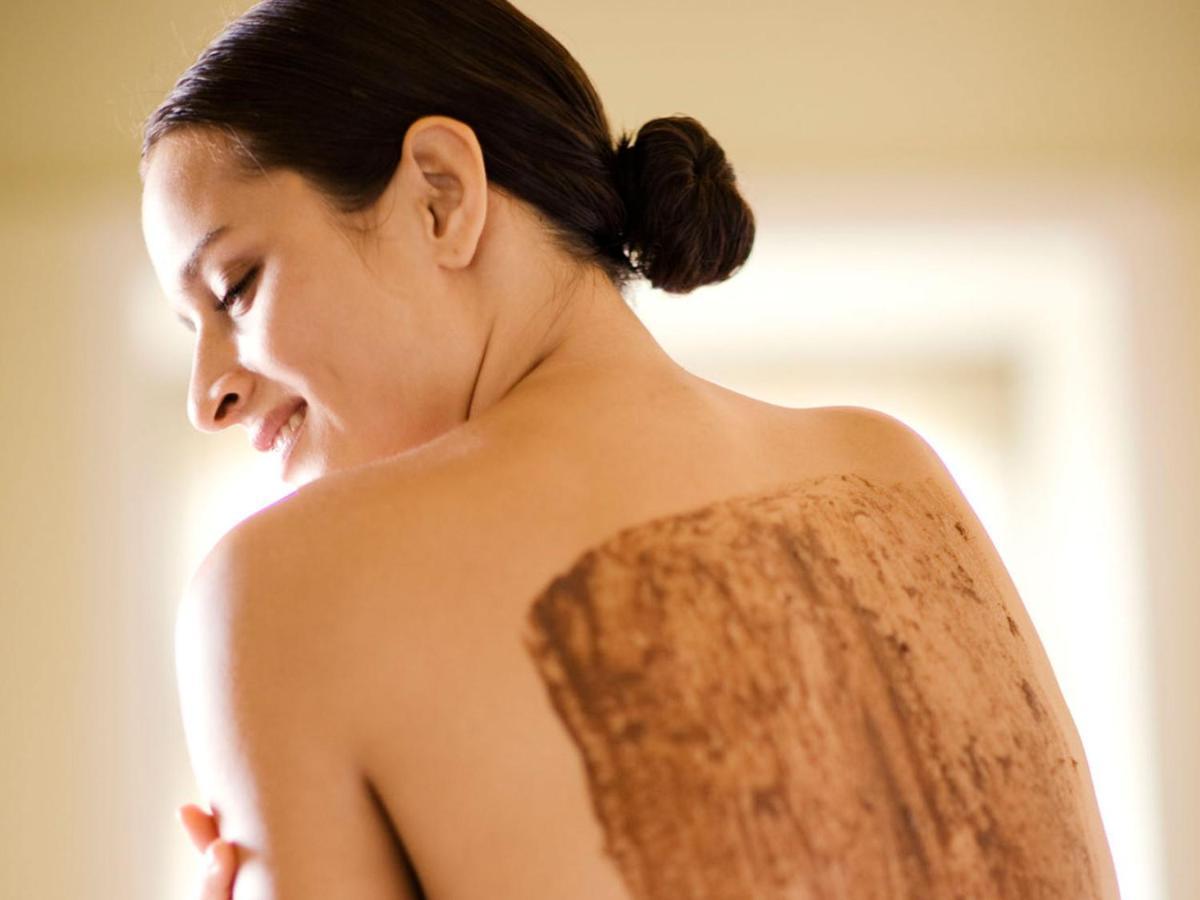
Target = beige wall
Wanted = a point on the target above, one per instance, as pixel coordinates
(1165, 338)
(95, 451)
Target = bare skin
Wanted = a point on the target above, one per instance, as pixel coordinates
(503, 774)
(220, 858)
(480, 414)
(825, 444)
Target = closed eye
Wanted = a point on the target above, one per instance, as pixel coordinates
(236, 291)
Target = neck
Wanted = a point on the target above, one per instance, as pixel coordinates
(583, 334)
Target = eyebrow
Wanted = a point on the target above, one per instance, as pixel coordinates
(188, 272)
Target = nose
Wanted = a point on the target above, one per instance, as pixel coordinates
(219, 389)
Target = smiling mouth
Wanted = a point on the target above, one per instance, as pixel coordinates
(286, 439)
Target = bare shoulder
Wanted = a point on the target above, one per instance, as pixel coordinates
(414, 576)
(835, 440)
(872, 437)
(272, 716)
(298, 586)
(269, 600)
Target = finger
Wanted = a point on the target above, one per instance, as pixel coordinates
(220, 866)
(199, 825)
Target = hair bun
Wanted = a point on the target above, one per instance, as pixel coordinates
(686, 225)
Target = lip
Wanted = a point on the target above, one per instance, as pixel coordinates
(263, 436)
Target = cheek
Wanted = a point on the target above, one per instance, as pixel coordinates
(292, 329)
(312, 350)
(336, 339)
(281, 343)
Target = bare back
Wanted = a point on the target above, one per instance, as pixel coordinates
(771, 660)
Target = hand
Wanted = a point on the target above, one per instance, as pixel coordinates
(220, 856)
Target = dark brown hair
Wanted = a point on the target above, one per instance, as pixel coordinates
(328, 88)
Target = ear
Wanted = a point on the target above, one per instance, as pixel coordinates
(441, 170)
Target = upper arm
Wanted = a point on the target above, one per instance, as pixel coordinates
(268, 728)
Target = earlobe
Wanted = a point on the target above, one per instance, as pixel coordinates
(444, 157)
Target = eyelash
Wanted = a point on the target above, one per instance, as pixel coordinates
(236, 291)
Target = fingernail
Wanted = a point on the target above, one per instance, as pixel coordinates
(211, 857)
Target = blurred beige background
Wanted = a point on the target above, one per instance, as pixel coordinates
(981, 217)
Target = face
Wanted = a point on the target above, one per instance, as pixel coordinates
(330, 350)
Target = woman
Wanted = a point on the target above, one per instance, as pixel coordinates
(549, 616)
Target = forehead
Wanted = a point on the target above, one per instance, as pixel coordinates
(188, 175)
(192, 185)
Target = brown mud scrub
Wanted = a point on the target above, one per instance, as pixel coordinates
(816, 692)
